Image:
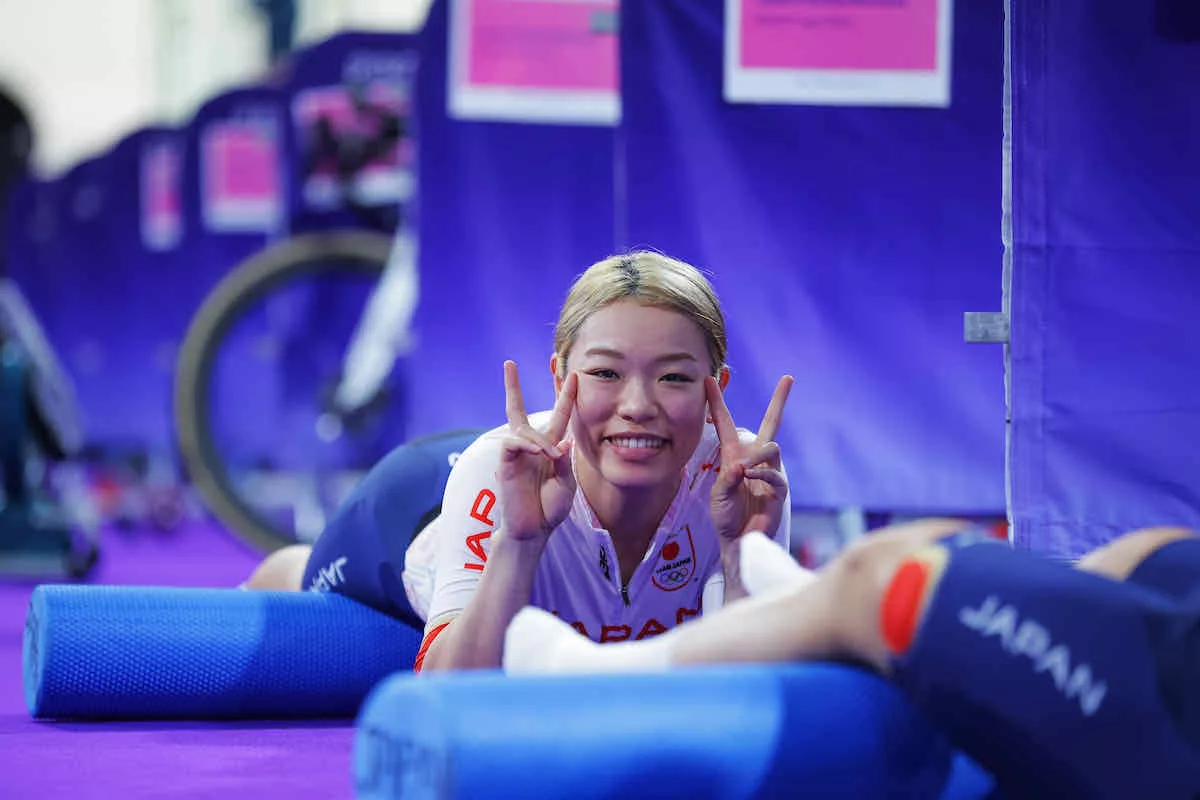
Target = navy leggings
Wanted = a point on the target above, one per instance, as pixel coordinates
(360, 553)
(1062, 683)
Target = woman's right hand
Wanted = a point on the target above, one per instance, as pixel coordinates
(537, 483)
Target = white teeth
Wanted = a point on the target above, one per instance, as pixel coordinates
(633, 442)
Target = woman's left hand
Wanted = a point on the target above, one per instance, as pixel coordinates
(750, 489)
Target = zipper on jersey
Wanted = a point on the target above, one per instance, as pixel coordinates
(604, 567)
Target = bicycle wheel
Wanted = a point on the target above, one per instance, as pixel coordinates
(297, 262)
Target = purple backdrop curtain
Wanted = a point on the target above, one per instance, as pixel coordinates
(1105, 357)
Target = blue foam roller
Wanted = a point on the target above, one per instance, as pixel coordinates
(109, 652)
(732, 732)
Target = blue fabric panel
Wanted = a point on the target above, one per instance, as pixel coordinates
(248, 375)
(145, 229)
(88, 297)
(210, 251)
(1106, 275)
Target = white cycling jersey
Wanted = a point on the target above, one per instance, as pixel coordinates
(578, 577)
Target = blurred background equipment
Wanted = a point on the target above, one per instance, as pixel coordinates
(325, 308)
(43, 532)
(280, 486)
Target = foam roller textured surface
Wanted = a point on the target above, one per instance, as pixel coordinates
(159, 653)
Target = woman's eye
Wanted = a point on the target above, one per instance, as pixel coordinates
(677, 377)
(606, 374)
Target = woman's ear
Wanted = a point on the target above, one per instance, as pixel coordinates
(558, 379)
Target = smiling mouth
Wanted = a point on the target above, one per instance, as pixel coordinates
(637, 442)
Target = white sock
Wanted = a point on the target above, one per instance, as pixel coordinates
(539, 643)
(768, 569)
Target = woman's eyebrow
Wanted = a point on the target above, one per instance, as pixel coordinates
(612, 353)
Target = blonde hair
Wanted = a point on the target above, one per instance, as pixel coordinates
(651, 279)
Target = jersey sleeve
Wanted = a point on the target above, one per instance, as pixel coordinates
(470, 514)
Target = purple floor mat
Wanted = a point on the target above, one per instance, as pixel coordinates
(260, 760)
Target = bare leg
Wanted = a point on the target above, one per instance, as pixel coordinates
(1119, 558)
(780, 626)
(282, 570)
(837, 617)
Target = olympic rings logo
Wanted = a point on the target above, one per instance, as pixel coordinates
(673, 579)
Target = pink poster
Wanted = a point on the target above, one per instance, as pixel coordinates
(850, 52)
(386, 180)
(161, 199)
(240, 169)
(535, 61)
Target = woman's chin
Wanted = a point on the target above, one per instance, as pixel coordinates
(643, 475)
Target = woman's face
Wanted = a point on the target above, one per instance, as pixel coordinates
(640, 408)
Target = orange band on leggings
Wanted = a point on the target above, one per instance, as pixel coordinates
(428, 640)
(901, 609)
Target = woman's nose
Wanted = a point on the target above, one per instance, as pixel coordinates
(637, 401)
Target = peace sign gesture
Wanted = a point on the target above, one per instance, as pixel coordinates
(749, 492)
(537, 484)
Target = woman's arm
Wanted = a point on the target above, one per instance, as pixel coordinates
(474, 637)
(482, 577)
(489, 551)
